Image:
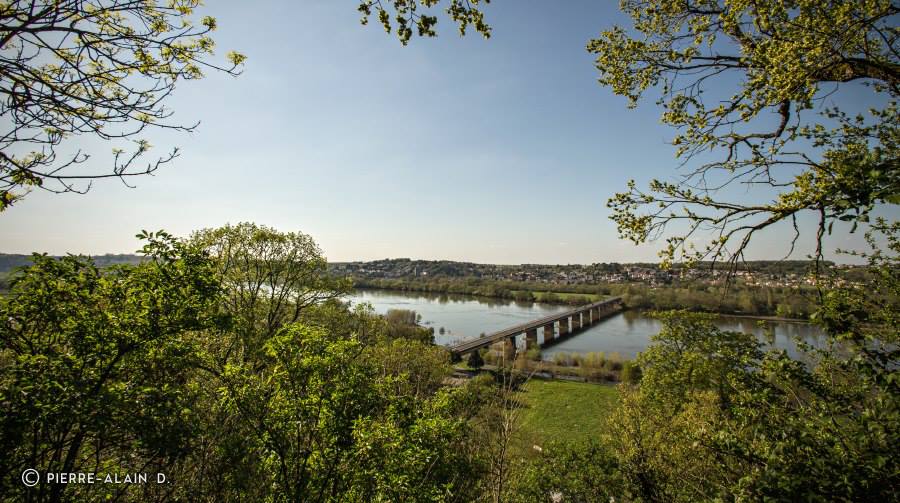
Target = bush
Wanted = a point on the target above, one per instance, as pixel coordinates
(577, 359)
(631, 373)
(524, 296)
(561, 359)
(550, 298)
(595, 360)
(533, 354)
(476, 361)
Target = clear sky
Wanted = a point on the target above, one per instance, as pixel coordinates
(502, 150)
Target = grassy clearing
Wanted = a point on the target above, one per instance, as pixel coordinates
(564, 411)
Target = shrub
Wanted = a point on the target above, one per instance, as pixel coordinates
(595, 360)
(631, 372)
(524, 296)
(561, 359)
(476, 361)
(533, 354)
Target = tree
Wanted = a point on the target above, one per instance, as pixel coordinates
(94, 365)
(325, 423)
(401, 317)
(790, 59)
(269, 278)
(403, 324)
(98, 68)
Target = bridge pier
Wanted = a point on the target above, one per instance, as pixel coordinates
(506, 349)
(564, 326)
(531, 338)
(548, 333)
(587, 317)
(576, 322)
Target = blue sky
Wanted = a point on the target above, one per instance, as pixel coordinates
(502, 150)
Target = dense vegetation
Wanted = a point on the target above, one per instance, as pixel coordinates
(177, 365)
(227, 362)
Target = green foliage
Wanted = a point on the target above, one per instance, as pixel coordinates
(142, 368)
(329, 425)
(631, 373)
(782, 58)
(715, 417)
(96, 68)
(533, 354)
(691, 354)
(405, 15)
(95, 365)
(418, 369)
(404, 324)
(584, 472)
(269, 278)
(524, 296)
(401, 317)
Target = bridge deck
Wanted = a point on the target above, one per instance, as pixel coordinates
(472, 344)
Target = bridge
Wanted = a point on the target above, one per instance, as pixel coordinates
(569, 322)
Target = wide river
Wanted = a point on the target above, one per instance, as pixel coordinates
(459, 317)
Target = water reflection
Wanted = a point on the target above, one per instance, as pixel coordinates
(628, 333)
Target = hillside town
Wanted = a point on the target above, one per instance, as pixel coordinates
(757, 273)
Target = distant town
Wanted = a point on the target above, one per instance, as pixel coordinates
(788, 273)
(756, 273)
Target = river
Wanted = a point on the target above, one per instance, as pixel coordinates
(459, 317)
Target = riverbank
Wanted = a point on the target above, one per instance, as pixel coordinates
(592, 367)
(776, 319)
(543, 296)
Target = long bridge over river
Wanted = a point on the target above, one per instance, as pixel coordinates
(569, 322)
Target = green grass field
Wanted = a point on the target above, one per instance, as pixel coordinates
(564, 411)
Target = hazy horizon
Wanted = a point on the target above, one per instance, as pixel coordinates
(438, 259)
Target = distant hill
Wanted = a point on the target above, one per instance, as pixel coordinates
(405, 267)
(11, 261)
